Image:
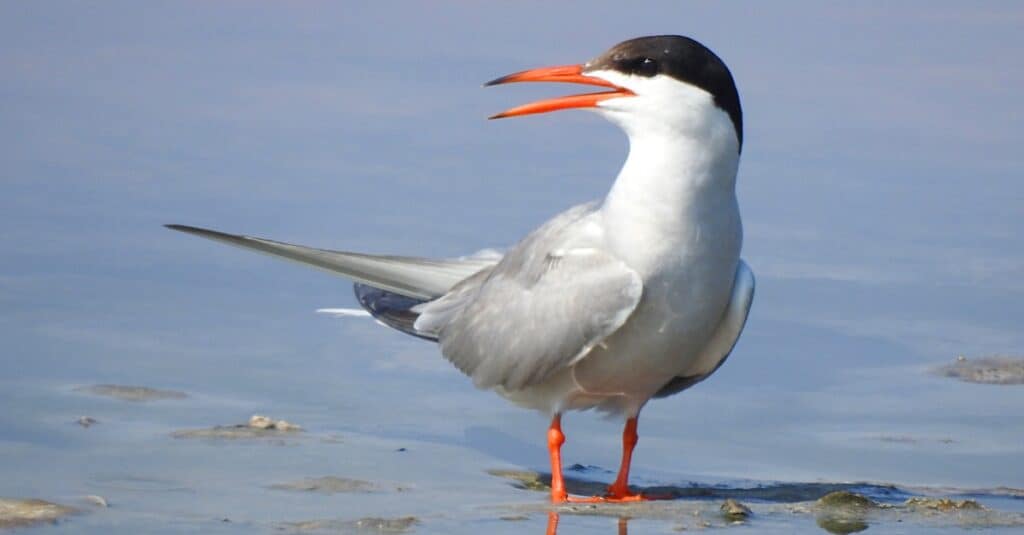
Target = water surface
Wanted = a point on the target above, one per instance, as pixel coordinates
(881, 193)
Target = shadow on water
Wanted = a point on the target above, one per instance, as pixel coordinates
(831, 523)
(835, 525)
(774, 492)
(833, 507)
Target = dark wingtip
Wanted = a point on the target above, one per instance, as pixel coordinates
(183, 228)
(496, 81)
(198, 231)
(391, 309)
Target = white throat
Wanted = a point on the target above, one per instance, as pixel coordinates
(678, 184)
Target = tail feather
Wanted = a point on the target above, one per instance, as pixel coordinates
(388, 287)
(417, 278)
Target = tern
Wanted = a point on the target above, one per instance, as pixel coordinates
(608, 304)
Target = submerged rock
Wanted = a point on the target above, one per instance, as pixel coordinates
(257, 427)
(16, 512)
(363, 525)
(844, 499)
(132, 393)
(996, 370)
(844, 512)
(734, 511)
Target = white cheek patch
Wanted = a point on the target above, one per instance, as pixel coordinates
(658, 92)
(664, 104)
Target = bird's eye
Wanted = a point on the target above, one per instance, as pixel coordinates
(645, 67)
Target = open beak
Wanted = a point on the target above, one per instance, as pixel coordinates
(564, 73)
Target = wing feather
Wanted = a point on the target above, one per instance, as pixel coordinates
(552, 298)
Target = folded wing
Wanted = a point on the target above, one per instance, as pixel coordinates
(722, 341)
(507, 322)
(552, 298)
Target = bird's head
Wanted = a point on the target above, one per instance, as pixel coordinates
(665, 85)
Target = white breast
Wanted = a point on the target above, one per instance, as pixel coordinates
(671, 216)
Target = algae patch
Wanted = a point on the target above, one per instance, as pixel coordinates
(362, 525)
(995, 370)
(328, 485)
(522, 479)
(258, 426)
(15, 512)
(943, 504)
(132, 393)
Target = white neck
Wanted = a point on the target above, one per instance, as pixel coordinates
(677, 186)
(662, 170)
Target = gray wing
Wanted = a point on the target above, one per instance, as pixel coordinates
(553, 297)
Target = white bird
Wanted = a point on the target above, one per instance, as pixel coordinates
(608, 304)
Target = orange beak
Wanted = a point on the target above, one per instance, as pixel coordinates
(564, 73)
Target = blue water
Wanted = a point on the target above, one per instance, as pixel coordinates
(882, 201)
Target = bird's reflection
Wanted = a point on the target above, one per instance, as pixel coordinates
(832, 524)
(623, 524)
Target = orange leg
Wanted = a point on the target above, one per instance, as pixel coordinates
(619, 490)
(558, 493)
(555, 441)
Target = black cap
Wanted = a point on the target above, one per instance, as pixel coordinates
(681, 58)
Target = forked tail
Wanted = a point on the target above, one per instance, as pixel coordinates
(388, 287)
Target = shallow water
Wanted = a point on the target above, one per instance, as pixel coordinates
(881, 194)
(427, 444)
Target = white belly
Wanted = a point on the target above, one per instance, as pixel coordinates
(662, 338)
(672, 217)
(684, 300)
